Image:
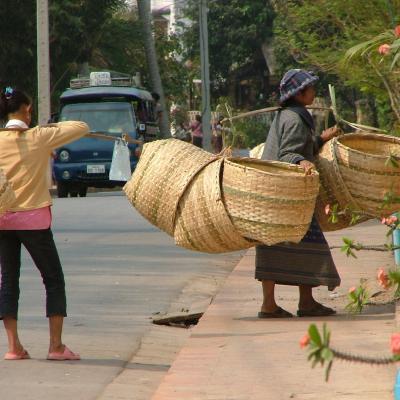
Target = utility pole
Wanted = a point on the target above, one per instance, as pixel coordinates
(144, 8)
(43, 60)
(205, 77)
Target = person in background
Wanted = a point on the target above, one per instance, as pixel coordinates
(309, 263)
(181, 132)
(216, 139)
(197, 131)
(24, 159)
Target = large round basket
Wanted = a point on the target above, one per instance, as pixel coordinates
(202, 222)
(269, 201)
(164, 170)
(7, 195)
(359, 172)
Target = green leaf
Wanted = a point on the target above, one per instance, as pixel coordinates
(395, 59)
(314, 334)
(327, 354)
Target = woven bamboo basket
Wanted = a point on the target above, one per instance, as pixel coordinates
(269, 201)
(355, 172)
(256, 152)
(164, 170)
(7, 195)
(202, 222)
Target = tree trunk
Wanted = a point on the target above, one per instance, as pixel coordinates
(83, 68)
(151, 56)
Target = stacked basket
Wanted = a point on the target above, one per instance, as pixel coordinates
(358, 171)
(215, 204)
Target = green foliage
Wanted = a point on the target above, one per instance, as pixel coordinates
(394, 279)
(349, 246)
(318, 34)
(252, 130)
(18, 44)
(358, 298)
(319, 351)
(106, 34)
(237, 31)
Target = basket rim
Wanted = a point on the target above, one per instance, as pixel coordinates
(281, 164)
(380, 137)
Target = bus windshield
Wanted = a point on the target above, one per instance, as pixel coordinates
(113, 118)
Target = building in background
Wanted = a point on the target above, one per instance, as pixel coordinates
(167, 14)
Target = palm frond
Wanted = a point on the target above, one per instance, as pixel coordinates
(363, 48)
(395, 59)
(332, 95)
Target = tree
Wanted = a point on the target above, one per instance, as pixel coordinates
(317, 34)
(152, 62)
(18, 44)
(239, 31)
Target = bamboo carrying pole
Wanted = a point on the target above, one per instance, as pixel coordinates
(269, 109)
(125, 136)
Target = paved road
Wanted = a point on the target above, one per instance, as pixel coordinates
(119, 271)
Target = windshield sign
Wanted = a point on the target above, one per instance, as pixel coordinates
(113, 118)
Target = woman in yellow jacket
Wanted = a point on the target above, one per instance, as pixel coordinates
(24, 158)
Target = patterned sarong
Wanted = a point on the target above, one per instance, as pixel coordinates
(307, 263)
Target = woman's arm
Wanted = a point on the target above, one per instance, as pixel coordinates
(325, 136)
(56, 135)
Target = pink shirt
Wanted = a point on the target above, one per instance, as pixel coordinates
(25, 220)
(196, 129)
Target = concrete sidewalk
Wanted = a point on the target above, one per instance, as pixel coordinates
(232, 355)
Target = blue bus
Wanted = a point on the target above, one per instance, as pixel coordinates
(111, 106)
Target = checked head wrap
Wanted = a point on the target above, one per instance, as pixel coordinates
(294, 81)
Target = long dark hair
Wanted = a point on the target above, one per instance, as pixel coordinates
(11, 100)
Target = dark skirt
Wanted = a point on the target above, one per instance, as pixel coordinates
(307, 263)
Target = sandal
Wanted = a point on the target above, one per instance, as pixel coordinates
(278, 313)
(66, 355)
(318, 310)
(23, 355)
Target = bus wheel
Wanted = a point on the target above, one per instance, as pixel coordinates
(62, 189)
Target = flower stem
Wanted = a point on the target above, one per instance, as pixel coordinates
(362, 359)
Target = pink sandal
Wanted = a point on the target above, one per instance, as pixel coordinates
(66, 355)
(23, 355)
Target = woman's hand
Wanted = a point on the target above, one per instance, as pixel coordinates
(330, 133)
(307, 166)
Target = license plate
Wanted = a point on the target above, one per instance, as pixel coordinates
(96, 169)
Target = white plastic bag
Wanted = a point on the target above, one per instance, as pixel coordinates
(120, 165)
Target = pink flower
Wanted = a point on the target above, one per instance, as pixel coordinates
(397, 31)
(384, 49)
(391, 220)
(352, 289)
(327, 209)
(383, 220)
(395, 343)
(305, 340)
(383, 278)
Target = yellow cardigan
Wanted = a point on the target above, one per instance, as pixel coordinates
(24, 158)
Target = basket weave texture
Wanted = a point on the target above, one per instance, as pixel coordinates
(7, 195)
(202, 222)
(269, 201)
(355, 172)
(164, 170)
(215, 204)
